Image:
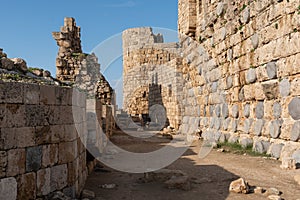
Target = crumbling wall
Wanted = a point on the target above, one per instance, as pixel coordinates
(241, 68)
(42, 140)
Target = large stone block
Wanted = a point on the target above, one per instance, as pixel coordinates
(251, 76)
(275, 150)
(295, 87)
(11, 92)
(277, 110)
(47, 95)
(31, 94)
(25, 137)
(259, 110)
(33, 158)
(284, 87)
(43, 182)
(67, 152)
(8, 138)
(271, 89)
(58, 177)
(295, 132)
(50, 155)
(3, 163)
(35, 115)
(8, 188)
(15, 115)
(27, 186)
(16, 162)
(294, 108)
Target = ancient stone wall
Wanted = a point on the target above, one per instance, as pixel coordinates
(41, 147)
(242, 70)
(150, 73)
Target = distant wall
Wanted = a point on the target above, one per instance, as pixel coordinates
(41, 150)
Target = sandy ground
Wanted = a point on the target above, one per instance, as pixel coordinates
(213, 175)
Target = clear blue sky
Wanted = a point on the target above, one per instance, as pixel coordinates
(26, 26)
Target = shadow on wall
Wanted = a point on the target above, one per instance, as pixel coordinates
(157, 109)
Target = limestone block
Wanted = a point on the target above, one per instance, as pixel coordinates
(286, 129)
(284, 87)
(246, 110)
(35, 115)
(27, 186)
(255, 40)
(275, 128)
(294, 108)
(249, 92)
(251, 76)
(20, 64)
(59, 177)
(239, 186)
(271, 70)
(296, 156)
(67, 152)
(25, 137)
(275, 150)
(295, 87)
(259, 110)
(3, 163)
(7, 63)
(259, 92)
(245, 142)
(15, 115)
(31, 94)
(225, 111)
(261, 146)
(50, 155)
(288, 163)
(33, 158)
(295, 132)
(43, 182)
(16, 162)
(47, 95)
(270, 89)
(277, 110)
(8, 188)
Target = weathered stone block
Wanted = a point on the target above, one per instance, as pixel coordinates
(16, 162)
(271, 89)
(295, 87)
(50, 155)
(247, 110)
(251, 76)
(275, 128)
(296, 156)
(3, 115)
(25, 137)
(31, 94)
(259, 92)
(59, 177)
(47, 95)
(284, 87)
(276, 110)
(261, 146)
(255, 41)
(259, 110)
(67, 152)
(43, 182)
(33, 158)
(235, 111)
(35, 115)
(294, 108)
(225, 111)
(271, 70)
(8, 188)
(27, 186)
(295, 132)
(275, 150)
(3, 163)
(11, 92)
(15, 115)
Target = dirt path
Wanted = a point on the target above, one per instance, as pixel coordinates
(214, 174)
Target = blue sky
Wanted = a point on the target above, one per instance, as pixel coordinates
(26, 26)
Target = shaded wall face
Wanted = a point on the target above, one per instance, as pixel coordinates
(240, 71)
(41, 146)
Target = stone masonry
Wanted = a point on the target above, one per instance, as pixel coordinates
(240, 66)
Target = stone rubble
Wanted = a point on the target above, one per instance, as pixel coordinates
(239, 186)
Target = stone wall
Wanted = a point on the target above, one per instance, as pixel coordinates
(239, 62)
(242, 69)
(41, 149)
(150, 73)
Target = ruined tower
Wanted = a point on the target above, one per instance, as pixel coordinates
(70, 52)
